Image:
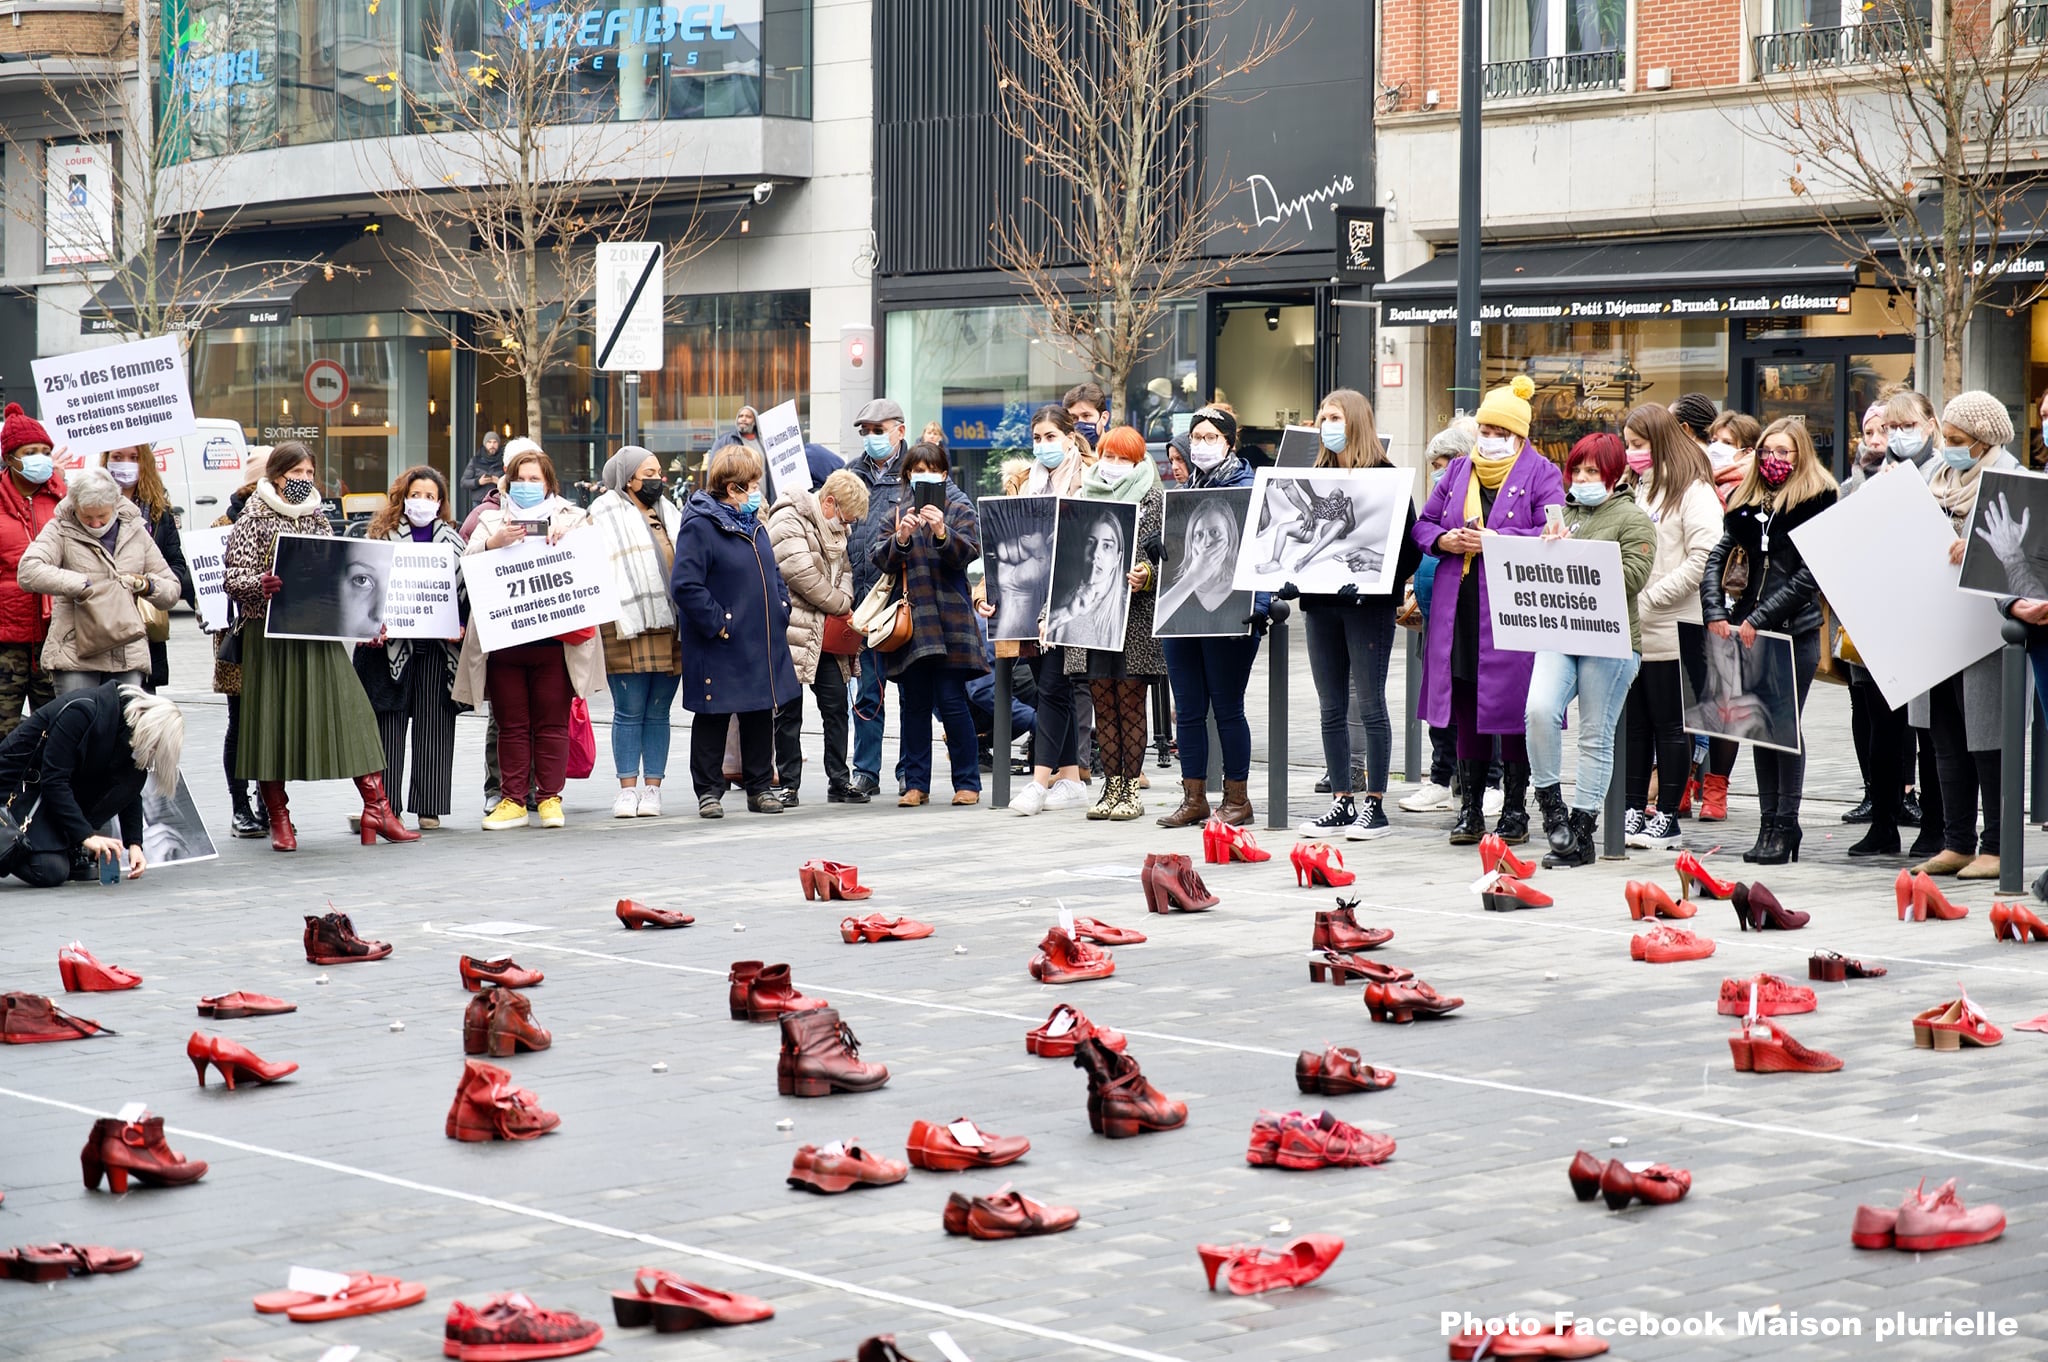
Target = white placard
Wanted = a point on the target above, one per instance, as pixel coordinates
(206, 555)
(782, 440)
(123, 395)
(629, 296)
(420, 600)
(316, 1281)
(78, 204)
(1881, 559)
(1556, 596)
(535, 590)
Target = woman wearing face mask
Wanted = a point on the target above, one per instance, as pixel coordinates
(411, 681)
(1117, 681)
(1871, 449)
(1209, 675)
(1731, 449)
(1351, 642)
(1965, 714)
(808, 530)
(1871, 719)
(531, 686)
(1787, 486)
(1055, 470)
(304, 714)
(94, 560)
(29, 493)
(1502, 487)
(1452, 442)
(1912, 442)
(929, 548)
(136, 471)
(643, 659)
(1598, 507)
(1676, 490)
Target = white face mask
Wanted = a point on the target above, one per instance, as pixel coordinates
(1113, 470)
(1206, 454)
(1496, 446)
(1720, 453)
(422, 510)
(126, 474)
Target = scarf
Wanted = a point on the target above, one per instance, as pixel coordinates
(1224, 474)
(644, 603)
(1487, 473)
(1134, 486)
(1956, 489)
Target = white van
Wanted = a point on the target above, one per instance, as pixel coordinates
(200, 471)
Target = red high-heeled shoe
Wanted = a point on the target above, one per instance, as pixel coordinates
(1647, 900)
(1223, 843)
(1692, 875)
(1757, 908)
(1404, 1002)
(118, 1148)
(1902, 892)
(1585, 1173)
(1658, 1185)
(1342, 968)
(1249, 1269)
(234, 1061)
(1952, 1025)
(1167, 886)
(828, 880)
(1318, 864)
(1776, 1052)
(1101, 933)
(1930, 902)
(1832, 967)
(81, 973)
(1509, 894)
(672, 1305)
(1495, 853)
(2017, 922)
(1339, 930)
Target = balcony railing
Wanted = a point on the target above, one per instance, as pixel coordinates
(1571, 74)
(2030, 25)
(1809, 49)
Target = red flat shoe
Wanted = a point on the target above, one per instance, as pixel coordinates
(1930, 902)
(1323, 1141)
(1757, 908)
(828, 880)
(1693, 876)
(277, 1302)
(1509, 895)
(1008, 1215)
(373, 1297)
(55, 1262)
(1338, 930)
(1548, 1342)
(1778, 997)
(1336, 1071)
(1669, 945)
(837, 1167)
(1320, 865)
(1065, 1028)
(1649, 900)
(1832, 967)
(1342, 969)
(1585, 1174)
(635, 915)
(1100, 933)
(875, 927)
(1403, 1003)
(1940, 1222)
(30, 1018)
(1063, 960)
(1495, 854)
(2017, 922)
(503, 973)
(1875, 1227)
(81, 973)
(1249, 1269)
(234, 1061)
(511, 1328)
(1777, 1052)
(1658, 1185)
(228, 1006)
(960, 1145)
(672, 1305)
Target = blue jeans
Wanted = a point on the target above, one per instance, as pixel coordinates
(925, 687)
(869, 715)
(1209, 676)
(1601, 685)
(640, 706)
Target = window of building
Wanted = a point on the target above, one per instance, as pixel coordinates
(1806, 34)
(1540, 47)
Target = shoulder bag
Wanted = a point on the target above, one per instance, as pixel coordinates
(883, 616)
(107, 617)
(840, 638)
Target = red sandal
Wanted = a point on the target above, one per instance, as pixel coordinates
(1320, 865)
(1223, 843)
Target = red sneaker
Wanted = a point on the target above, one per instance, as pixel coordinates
(511, 1328)
(1777, 998)
(1940, 1222)
(1666, 945)
(1326, 1142)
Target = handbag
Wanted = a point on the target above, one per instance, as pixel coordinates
(18, 811)
(882, 621)
(841, 639)
(1829, 668)
(106, 618)
(582, 740)
(1735, 573)
(156, 623)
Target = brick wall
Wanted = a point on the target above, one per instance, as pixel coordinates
(70, 34)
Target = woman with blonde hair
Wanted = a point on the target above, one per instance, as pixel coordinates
(88, 754)
(136, 471)
(807, 529)
(96, 560)
(1784, 488)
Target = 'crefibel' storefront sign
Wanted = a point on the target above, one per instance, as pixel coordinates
(652, 24)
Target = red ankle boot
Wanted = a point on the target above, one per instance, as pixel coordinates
(378, 815)
(283, 836)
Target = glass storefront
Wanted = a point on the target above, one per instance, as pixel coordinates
(237, 75)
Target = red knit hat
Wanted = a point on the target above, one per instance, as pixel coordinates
(19, 428)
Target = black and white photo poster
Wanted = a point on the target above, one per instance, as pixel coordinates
(172, 830)
(333, 588)
(1203, 530)
(535, 590)
(1729, 691)
(1016, 562)
(2006, 550)
(421, 601)
(1324, 528)
(1300, 446)
(1094, 548)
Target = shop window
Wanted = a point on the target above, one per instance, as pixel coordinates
(1804, 35)
(1546, 47)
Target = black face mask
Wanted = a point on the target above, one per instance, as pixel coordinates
(649, 492)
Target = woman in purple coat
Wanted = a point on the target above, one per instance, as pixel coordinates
(1502, 487)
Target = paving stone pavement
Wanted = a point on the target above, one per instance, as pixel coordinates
(1563, 1044)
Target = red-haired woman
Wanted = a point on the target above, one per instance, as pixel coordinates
(1596, 507)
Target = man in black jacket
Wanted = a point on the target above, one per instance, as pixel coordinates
(77, 763)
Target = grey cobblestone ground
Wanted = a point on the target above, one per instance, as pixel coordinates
(1563, 1044)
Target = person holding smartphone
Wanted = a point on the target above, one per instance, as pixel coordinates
(86, 756)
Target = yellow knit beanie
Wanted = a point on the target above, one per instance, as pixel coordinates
(1508, 407)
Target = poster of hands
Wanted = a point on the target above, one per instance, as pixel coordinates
(2006, 548)
(1203, 530)
(1094, 549)
(1016, 562)
(1323, 529)
(1729, 691)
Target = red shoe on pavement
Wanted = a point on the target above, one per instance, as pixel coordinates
(1403, 1003)
(1941, 1222)
(960, 1145)
(1319, 864)
(511, 1328)
(1066, 1027)
(1649, 900)
(1495, 854)
(503, 973)
(672, 1305)
(1323, 1141)
(1063, 960)
(1338, 930)
(1693, 874)
(1336, 1070)
(228, 1006)
(1509, 894)
(488, 1107)
(1667, 945)
(331, 940)
(1548, 1342)
(234, 1061)
(1249, 1269)
(838, 1166)
(1776, 1052)
(1658, 1185)
(1778, 998)
(2017, 922)
(876, 927)
(30, 1018)
(1930, 902)
(117, 1148)
(1100, 933)
(55, 1262)
(828, 880)
(770, 996)
(1875, 1227)
(1952, 1025)
(1005, 1215)
(1223, 843)
(83, 974)
(634, 915)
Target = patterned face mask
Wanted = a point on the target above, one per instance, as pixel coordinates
(1774, 469)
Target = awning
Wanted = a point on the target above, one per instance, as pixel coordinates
(1730, 275)
(246, 279)
(2020, 239)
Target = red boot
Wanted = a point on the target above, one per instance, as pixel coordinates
(378, 815)
(283, 836)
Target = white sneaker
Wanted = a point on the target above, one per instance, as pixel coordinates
(626, 804)
(1431, 798)
(1371, 824)
(1029, 799)
(650, 802)
(1493, 802)
(1067, 794)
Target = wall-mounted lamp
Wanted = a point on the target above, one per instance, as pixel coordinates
(1272, 319)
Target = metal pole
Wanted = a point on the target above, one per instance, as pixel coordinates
(1000, 736)
(1465, 382)
(2038, 759)
(1412, 736)
(1276, 716)
(2012, 832)
(632, 407)
(1614, 840)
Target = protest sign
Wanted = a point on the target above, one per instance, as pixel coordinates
(2006, 551)
(1325, 528)
(1094, 545)
(122, 395)
(206, 555)
(420, 601)
(172, 830)
(1881, 559)
(333, 588)
(1556, 596)
(1203, 530)
(1016, 559)
(535, 590)
(782, 445)
(1727, 690)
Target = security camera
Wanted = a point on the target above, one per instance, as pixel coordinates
(764, 191)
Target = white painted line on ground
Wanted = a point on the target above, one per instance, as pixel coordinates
(652, 1241)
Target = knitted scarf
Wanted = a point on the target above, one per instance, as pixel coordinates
(1133, 486)
(644, 603)
(1487, 473)
(1956, 489)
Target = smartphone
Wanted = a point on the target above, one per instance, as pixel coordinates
(110, 870)
(536, 528)
(923, 494)
(1553, 515)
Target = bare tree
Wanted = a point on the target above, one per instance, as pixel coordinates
(1105, 96)
(1918, 118)
(507, 203)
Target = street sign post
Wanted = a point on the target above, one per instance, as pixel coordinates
(629, 298)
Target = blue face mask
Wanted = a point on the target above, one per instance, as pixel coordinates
(752, 505)
(37, 467)
(1091, 431)
(927, 478)
(876, 447)
(1906, 444)
(1589, 493)
(1957, 457)
(1051, 454)
(527, 495)
(1333, 436)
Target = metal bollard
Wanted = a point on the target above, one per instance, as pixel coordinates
(2012, 832)
(2037, 759)
(1000, 796)
(1414, 755)
(1276, 717)
(1614, 841)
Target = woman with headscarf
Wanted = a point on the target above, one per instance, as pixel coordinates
(1209, 674)
(643, 657)
(1504, 487)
